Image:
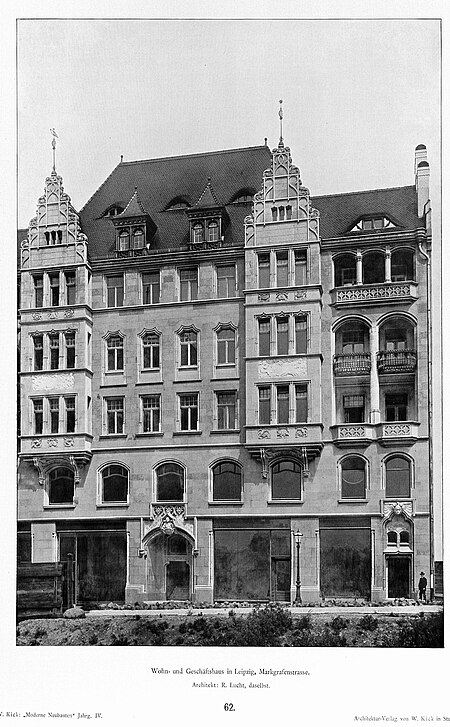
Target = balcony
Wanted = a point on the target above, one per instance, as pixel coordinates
(352, 435)
(299, 434)
(351, 364)
(375, 294)
(57, 444)
(396, 362)
(397, 432)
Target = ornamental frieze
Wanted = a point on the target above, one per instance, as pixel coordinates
(282, 368)
(53, 382)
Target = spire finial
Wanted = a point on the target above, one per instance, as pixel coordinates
(280, 114)
(55, 136)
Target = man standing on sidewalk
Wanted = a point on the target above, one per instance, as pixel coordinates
(422, 586)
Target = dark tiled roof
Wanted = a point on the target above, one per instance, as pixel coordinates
(339, 212)
(159, 181)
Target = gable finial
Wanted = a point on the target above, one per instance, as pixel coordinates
(280, 114)
(55, 136)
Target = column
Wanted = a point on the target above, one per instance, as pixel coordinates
(387, 265)
(359, 276)
(374, 384)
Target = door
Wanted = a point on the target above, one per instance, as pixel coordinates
(177, 580)
(281, 579)
(399, 577)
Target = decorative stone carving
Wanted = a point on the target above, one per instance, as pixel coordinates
(282, 433)
(168, 518)
(68, 441)
(36, 316)
(68, 313)
(282, 295)
(396, 430)
(263, 434)
(53, 315)
(52, 442)
(351, 432)
(264, 297)
(53, 382)
(282, 368)
(300, 294)
(373, 293)
(301, 432)
(36, 443)
(397, 508)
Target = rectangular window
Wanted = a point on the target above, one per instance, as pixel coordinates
(189, 284)
(282, 404)
(70, 349)
(151, 413)
(264, 271)
(301, 403)
(114, 415)
(188, 344)
(264, 405)
(53, 405)
(38, 415)
(396, 407)
(115, 353)
(150, 288)
(301, 334)
(70, 288)
(226, 409)
(226, 346)
(114, 287)
(38, 281)
(226, 281)
(53, 342)
(69, 403)
(264, 337)
(282, 336)
(282, 268)
(54, 288)
(150, 349)
(189, 412)
(38, 350)
(354, 409)
(353, 341)
(399, 273)
(300, 267)
(395, 339)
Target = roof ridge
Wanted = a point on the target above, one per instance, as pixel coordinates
(362, 191)
(195, 154)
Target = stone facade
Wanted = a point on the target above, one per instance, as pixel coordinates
(226, 394)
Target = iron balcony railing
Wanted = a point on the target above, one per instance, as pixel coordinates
(351, 364)
(396, 362)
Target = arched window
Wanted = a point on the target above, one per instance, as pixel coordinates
(114, 346)
(353, 478)
(345, 270)
(373, 268)
(124, 240)
(213, 231)
(286, 481)
(197, 232)
(398, 477)
(227, 481)
(114, 483)
(138, 238)
(61, 486)
(242, 197)
(402, 265)
(170, 483)
(404, 537)
(392, 537)
(176, 545)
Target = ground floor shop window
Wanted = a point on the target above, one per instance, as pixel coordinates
(252, 564)
(345, 562)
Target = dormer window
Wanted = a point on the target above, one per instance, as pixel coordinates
(213, 231)
(197, 232)
(113, 211)
(177, 204)
(138, 238)
(124, 240)
(243, 197)
(372, 223)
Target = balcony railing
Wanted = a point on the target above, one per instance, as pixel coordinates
(351, 364)
(374, 293)
(396, 362)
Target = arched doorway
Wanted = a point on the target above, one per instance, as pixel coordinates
(170, 567)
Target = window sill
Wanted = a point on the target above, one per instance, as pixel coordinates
(111, 436)
(225, 502)
(62, 506)
(225, 431)
(149, 434)
(113, 504)
(188, 432)
(353, 500)
(113, 385)
(151, 371)
(285, 502)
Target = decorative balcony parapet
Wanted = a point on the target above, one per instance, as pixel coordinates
(352, 435)
(279, 434)
(351, 364)
(398, 432)
(56, 444)
(374, 294)
(396, 362)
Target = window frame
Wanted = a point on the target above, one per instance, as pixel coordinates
(227, 406)
(189, 408)
(190, 346)
(277, 463)
(192, 284)
(48, 488)
(228, 278)
(101, 502)
(118, 353)
(226, 344)
(240, 474)
(402, 456)
(152, 410)
(70, 287)
(366, 479)
(69, 336)
(117, 297)
(108, 400)
(150, 287)
(182, 472)
(153, 347)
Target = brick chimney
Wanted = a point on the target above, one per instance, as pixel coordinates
(422, 178)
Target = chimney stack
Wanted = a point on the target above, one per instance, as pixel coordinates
(422, 178)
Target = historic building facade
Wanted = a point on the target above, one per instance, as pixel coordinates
(213, 362)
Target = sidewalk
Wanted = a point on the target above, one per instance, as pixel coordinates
(295, 610)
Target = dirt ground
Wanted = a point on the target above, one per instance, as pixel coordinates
(263, 629)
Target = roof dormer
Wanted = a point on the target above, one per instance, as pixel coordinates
(372, 223)
(207, 219)
(134, 228)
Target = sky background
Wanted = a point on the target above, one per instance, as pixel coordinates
(358, 97)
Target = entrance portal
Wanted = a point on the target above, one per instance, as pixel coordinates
(169, 568)
(177, 580)
(398, 576)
